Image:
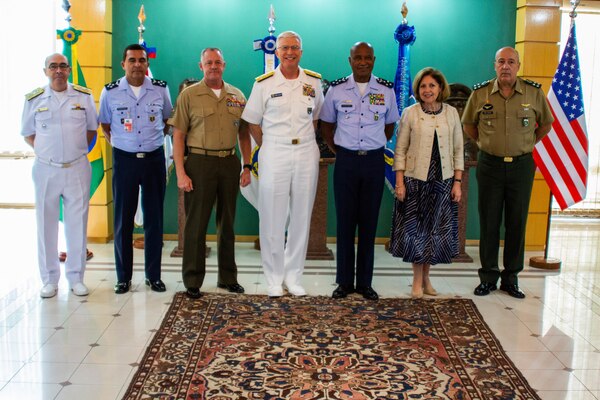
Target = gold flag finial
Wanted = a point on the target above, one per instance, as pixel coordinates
(141, 28)
(404, 10)
(142, 15)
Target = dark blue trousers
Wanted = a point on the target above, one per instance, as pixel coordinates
(130, 171)
(358, 181)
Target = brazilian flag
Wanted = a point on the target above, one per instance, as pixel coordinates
(70, 36)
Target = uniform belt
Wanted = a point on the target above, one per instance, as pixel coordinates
(213, 153)
(59, 164)
(358, 152)
(506, 159)
(288, 140)
(120, 152)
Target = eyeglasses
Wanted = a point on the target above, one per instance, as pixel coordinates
(54, 67)
(286, 48)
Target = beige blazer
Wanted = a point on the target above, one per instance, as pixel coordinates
(415, 142)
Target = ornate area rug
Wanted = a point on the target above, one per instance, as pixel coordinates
(230, 347)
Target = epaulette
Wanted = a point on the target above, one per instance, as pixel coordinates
(34, 93)
(158, 82)
(385, 82)
(532, 83)
(112, 85)
(339, 81)
(82, 89)
(312, 73)
(481, 84)
(264, 76)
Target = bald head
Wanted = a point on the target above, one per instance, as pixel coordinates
(55, 57)
(361, 44)
(362, 60)
(508, 50)
(507, 66)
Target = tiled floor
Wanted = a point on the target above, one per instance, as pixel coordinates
(69, 347)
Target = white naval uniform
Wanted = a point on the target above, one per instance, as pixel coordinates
(61, 169)
(289, 167)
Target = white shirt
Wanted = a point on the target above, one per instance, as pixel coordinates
(285, 108)
(60, 126)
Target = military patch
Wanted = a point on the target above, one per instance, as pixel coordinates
(42, 109)
(157, 82)
(233, 101)
(77, 107)
(312, 73)
(385, 82)
(34, 93)
(264, 76)
(339, 81)
(487, 106)
(532, 83)
(481, 84)
(82, 89)
(112, 85)
(377, 99)
(276, 95)
(308, 90)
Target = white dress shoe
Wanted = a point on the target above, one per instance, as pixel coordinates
(79, 289)
(48, 291)
(296, 290)
(275, 291)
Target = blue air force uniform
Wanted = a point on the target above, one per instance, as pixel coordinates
(137, 135)
(359, 171)
(60, 122)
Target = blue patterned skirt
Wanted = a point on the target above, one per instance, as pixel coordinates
(425, 224)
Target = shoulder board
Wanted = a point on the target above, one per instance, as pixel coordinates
(532, 83)
(264, 76)
(112, 85)
(312, 73)
(481, 84)
(157, 82)
(339, 81)
(385, 82)
(34, 93)
(82, 89)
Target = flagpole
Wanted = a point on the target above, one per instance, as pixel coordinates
(546, 262)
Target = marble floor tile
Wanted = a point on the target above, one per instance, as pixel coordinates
(61, 348)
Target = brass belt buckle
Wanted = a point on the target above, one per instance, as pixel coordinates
(295, 141)
(66, 165)
(223, 153)
(140, 155)
(508, 159)
(361, 152)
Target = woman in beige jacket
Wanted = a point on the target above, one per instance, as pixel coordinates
(428, 160)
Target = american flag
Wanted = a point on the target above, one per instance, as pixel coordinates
(562, 155)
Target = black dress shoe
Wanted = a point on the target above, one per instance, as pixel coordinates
(156, 286)
(231, 287)
(122, 287)
(193, 293)
(484, 288)
(368, 293)
(342, 291)
(512, 290)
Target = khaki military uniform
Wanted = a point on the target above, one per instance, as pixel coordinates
(505, 169)
(211, 125)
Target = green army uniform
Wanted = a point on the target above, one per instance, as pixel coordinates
(211, 125)
(505, 170)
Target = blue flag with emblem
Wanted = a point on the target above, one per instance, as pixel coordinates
(267, 45)
(405, 36)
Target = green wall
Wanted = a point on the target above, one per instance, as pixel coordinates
(459, 37)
